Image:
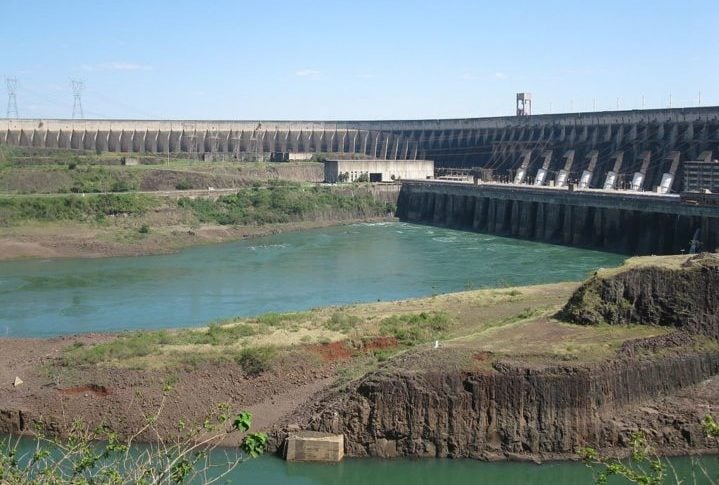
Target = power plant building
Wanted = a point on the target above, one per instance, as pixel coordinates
(377, 170)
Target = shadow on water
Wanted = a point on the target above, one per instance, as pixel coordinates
(276, 471)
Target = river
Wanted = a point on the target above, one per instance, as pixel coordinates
(285, 272)
(292, 272)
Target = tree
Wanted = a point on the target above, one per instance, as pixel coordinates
(644, 467)
(100, 456)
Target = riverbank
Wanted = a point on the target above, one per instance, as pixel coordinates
(504, 380)
(75, 240)
(102, 225)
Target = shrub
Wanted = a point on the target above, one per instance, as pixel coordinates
(256, 360)
(120, 186)
(69, 207)
(100, 455)
(144, 229)
(183, 185)
(412, 329)
(341, 322)
(283, 203)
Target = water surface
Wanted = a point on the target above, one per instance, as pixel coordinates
(286, 272)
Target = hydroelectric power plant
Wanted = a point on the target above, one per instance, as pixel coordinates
(627, 181)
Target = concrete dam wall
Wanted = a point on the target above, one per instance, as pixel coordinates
(623, 222)
(653, 142)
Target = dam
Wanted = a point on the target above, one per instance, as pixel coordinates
(581, 146)
(618, 221)
(628, 167)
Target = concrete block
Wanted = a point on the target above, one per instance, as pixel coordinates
(314, 446)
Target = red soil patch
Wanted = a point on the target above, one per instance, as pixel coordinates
(333, 351)
(94, 389)
(379, 343)
(481, 356)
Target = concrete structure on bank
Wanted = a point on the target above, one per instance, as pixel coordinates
(617, 149)
(314, 446)
(624, 222)
(377, 170)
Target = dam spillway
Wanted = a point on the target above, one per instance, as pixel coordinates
(623, 222)
(653, 142)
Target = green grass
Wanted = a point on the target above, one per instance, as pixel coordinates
(15, 210)
(342, 322)
(283, 202)
(413, 329)
(138, 344)
(256, 360)
(274, 319)
(141, 344)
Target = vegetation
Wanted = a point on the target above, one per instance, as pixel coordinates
(183, 184)
(100, 455)
(72, 208)
(342, 322)
(413, 329)
(501, 321)
(256, 360)
(282, 203)
(645, 467)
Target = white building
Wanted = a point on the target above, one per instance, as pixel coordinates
(377, 170)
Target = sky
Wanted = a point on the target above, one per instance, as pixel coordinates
(349, 60)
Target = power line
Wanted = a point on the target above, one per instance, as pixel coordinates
(11, 84)
(77, 87)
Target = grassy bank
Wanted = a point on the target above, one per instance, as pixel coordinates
(276, 202)
(502, 322)
(283, 202)
(97, 225)
(18, 210)
(69, 172)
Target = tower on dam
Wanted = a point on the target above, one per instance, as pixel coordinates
(640, 149)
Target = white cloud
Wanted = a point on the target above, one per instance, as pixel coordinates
(500, 75)
(116, 66)
(367, 75)
(309, 73)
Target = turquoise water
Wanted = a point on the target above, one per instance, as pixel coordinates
(272, 470)
(296, 271)
(442, 472)
(285, 272)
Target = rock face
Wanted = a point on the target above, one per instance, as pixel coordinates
(685, 298)
(519, 408)
(513, 410)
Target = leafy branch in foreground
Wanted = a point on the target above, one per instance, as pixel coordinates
(645, 467)
(99, 455)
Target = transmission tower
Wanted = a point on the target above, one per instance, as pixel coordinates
(11, 84)
(77, 87)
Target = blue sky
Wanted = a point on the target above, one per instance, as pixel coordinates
(355, 60)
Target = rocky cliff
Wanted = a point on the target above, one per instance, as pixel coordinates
(682, 296)
(515, 410)
(546, 407)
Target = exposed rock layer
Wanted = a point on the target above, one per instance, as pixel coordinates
(513, 410)
(684, 298)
